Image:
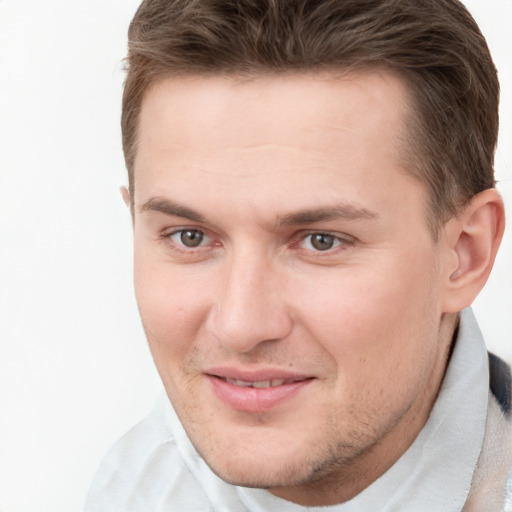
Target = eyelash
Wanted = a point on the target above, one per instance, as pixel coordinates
(181, 246)
(339, 243)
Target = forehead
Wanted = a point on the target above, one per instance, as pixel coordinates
(242, 134)
(308, 103)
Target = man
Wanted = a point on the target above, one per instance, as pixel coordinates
(313, 202)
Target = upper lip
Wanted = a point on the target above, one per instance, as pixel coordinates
(260, 375)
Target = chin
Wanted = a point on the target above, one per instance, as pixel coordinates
(264, 475)
(276, 463)
(262, 466)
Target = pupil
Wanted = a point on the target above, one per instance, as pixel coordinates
(191, 238)
(322, 242)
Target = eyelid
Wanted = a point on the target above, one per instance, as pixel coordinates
(343, 240)
(169, 235)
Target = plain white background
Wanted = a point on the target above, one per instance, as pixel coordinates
(75, 372)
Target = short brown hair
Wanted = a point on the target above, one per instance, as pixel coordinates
(435, 46)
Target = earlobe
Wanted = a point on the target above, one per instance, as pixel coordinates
(473, 238)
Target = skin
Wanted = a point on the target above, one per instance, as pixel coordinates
(252, 168)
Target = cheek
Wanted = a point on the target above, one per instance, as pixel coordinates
(172, 310)
(376, 322)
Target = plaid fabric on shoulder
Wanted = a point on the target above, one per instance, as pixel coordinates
(500, 382)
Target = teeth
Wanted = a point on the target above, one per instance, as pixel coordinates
(258, 384)
(262, 384)
(240, 383)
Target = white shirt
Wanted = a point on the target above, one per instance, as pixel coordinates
(155, 468)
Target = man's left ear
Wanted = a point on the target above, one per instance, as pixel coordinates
(472, 239)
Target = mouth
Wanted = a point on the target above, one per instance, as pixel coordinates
(260, 384)
(256, 392)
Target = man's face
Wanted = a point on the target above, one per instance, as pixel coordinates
(288, 283)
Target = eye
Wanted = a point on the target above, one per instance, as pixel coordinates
(320, 241)
(190, 238)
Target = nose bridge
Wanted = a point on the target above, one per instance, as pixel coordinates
(250, 306)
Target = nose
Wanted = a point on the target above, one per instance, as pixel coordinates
(250, 307)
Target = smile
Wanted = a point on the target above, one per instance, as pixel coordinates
(258, 384)
(255, 393)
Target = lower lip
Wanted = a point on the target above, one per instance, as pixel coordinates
(248, 399)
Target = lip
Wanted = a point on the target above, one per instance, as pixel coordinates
(251, 399)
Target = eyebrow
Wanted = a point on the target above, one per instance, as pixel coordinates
(344, 211)
(167, 207)
(310, 216)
